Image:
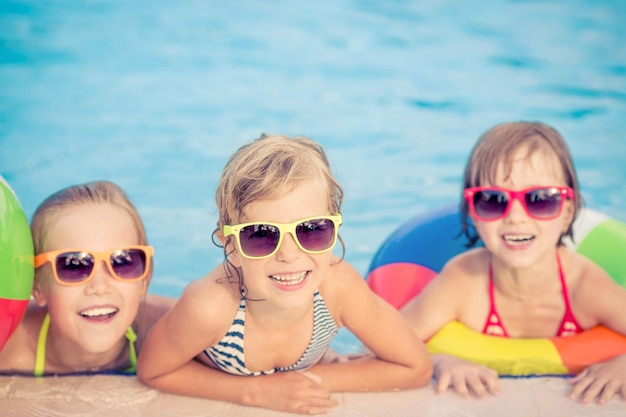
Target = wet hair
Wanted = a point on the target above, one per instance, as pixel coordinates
(267, 168)
(499, 145)
(96, 192)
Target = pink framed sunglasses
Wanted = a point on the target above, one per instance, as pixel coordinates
(493, 203)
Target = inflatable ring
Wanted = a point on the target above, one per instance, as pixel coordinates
(417, 251)
(16, 262)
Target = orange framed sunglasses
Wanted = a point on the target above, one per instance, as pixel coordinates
(78, 266)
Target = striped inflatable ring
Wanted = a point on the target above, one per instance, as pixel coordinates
(16, 262)
(413, 254)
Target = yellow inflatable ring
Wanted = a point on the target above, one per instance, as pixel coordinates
(416, 252)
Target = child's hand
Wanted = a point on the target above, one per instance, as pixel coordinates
(293, 392)
(465, 377)
(601, 381)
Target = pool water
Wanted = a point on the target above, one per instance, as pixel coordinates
(156, 99)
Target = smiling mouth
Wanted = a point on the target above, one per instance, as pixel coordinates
(290, 279)
(518, 239)
(101, 312)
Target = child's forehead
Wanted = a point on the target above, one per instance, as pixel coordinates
(309, 196)
(82, 219)
(531, 167)
(93, 210)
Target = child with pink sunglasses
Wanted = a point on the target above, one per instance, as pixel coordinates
(520, 199)
(89, 311)
(282, 292)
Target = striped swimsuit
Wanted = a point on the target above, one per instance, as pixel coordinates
(228, 354)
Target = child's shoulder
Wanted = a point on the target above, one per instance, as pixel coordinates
(582, 273)
(471, 263)
(341, 267)
(214, 292)
(342, 275)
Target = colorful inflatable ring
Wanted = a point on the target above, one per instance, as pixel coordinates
(16, 262)
(417, 251)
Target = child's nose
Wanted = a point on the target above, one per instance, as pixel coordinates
(517, 209)
(101, 280)
(288, 249)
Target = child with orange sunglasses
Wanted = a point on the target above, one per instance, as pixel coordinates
(520, 198)
(283, 292)
(90, 312)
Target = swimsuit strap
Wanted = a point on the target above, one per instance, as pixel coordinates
(569, 325)
(131, 336)
(493, 325)
(40, 355)
(324, 330)
(227, 354)
(563, 284)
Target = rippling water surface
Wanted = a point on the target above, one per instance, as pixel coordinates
(157, 97)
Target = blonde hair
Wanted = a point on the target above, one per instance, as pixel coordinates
(96, 192)
(268, 167)
(499, 145)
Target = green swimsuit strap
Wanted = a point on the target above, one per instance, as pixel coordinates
(40, 355)
(132, 338)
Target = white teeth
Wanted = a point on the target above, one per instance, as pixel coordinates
(96, 312)
(289, 279)
(518, 239)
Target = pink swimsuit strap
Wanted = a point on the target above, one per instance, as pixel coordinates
(493, 325)
(568, 327)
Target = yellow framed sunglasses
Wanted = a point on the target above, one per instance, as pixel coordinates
(259, 240)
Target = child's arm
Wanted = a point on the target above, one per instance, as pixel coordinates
(438, 304)
(399, 360)
(604, 299)
(441, 300)
(166, 361)
(292, 392)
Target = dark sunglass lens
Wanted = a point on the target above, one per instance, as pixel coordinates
(490, 204)
(259, 239)
(316, 235)
(544, 202)
(74, 267)
(129, 263)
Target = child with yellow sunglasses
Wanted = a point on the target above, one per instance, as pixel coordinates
(283, 292)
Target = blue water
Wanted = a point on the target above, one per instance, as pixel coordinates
(156, 95)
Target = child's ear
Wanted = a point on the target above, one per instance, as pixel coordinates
(568, 216)
(37, 294)
(229, 247)
(220, 236)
